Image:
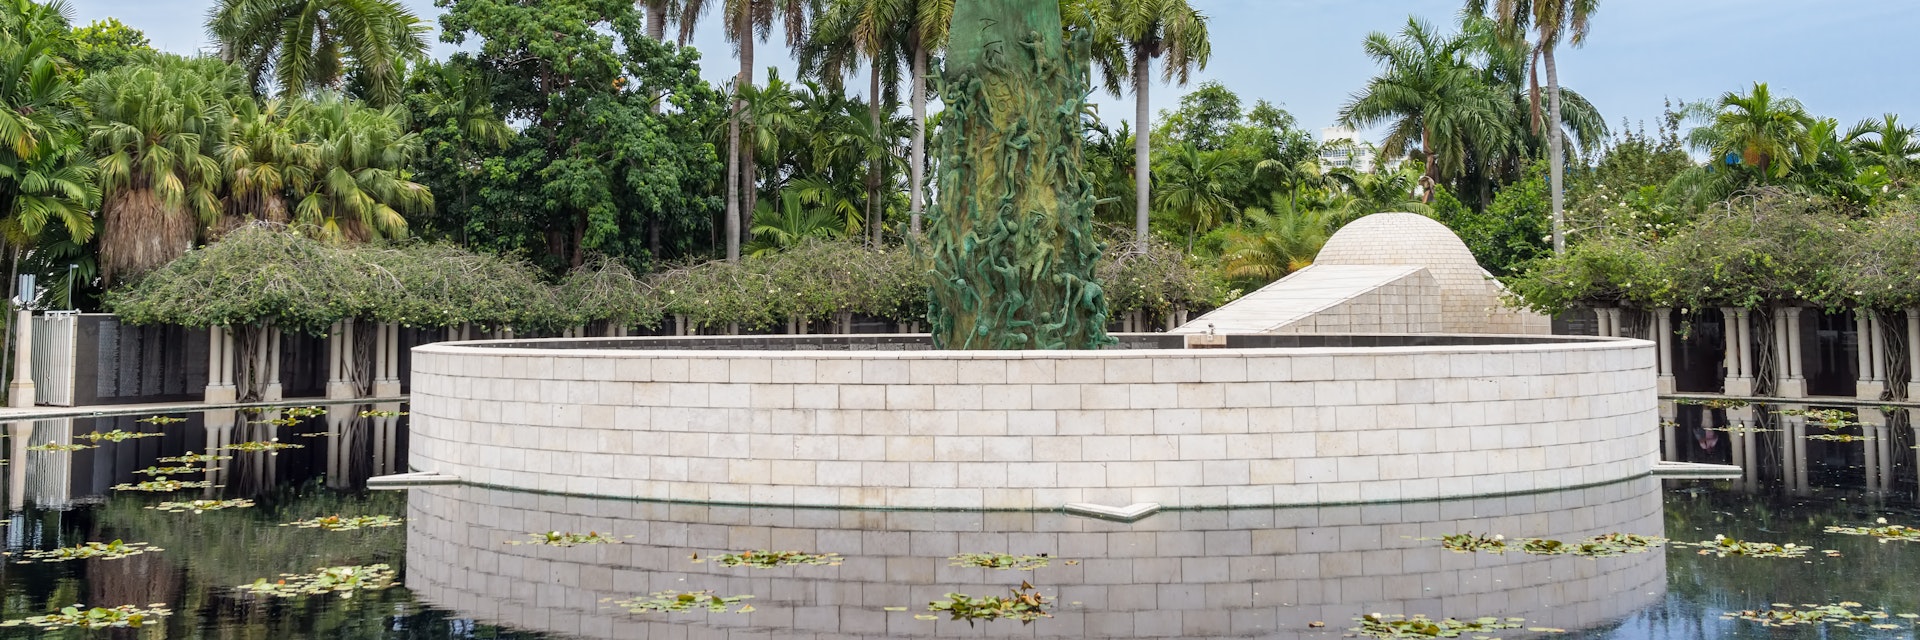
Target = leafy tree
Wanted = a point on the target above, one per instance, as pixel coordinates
(359, 190)
(303, 45)
(108, 43)
(1551, 21)
(596, 166)
(1131, 35)
(1277, 240)
(1512, 232)
(1204, 118)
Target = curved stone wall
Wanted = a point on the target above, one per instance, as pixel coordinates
(1264, 573)
(1035, 430)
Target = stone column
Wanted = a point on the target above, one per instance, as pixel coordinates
(273, 391)
(340, 369)
(18, 435)
(1663, 341)
(1602, 322)
(220, 353)
(1913, 354)
(1739, 352)
(20, 392)
(1670, 431)
(1794, 383)
(1866, 385)
(1730, 353)
(387, 384)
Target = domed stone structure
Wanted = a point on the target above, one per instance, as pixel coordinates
(1384, 273)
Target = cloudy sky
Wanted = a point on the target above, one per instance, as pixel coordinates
(1842, 58)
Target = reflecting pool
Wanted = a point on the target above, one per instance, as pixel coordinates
(466, 565)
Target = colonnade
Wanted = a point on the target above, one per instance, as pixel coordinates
(1872, 356)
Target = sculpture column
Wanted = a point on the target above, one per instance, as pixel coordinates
(273, 391)
(20, 392)
(1663, 341)
(1913, 354)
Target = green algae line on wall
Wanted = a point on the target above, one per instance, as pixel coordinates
(1011, 232)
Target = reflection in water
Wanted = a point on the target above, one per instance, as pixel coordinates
(1781, 448)
(1252, 572)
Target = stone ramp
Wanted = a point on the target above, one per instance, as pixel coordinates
(1333, 299)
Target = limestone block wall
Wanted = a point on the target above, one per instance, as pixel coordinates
(1035, 430)
(1332, 299)
(1470, 297)
(1243, 573)
(1407, 305)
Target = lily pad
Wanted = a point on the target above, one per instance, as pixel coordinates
(345, 523)
(1885, 532)
(199, 458)
(1022, 603)
(198, 506)
(1375, 625)
(999, 561)
(1724, 546)
(79, 616)
(162, 420)
(86, 551)
(162, 484)
(306, 412)
(381, 413)
(763, 559)
(1472, 542)
(341, 581)
(168, 471)
(680, 601)
(116, 435)
(1844, 615)
(272, 446)
(60, 446)
(560, 539)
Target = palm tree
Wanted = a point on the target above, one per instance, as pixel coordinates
(746, 20)
(154, 132)
(1383, 191)
(359, 191)
(1550, 21)
(305, 45)
(45, 179)
(263, 159)
(1765, 134)
(1140, 31)
(1431, 97)
(1887, 143)
(1195, 192)
(851, 33)
(1276, 240)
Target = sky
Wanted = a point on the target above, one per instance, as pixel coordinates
(1842, 58)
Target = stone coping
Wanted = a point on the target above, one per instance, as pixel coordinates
(903, 345)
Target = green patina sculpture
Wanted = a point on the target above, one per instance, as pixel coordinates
(1011, 232)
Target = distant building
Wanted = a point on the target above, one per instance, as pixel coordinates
(1341, 147)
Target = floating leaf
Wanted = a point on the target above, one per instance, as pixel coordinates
(197, 506)
(1375, 625)
(168, 471)
(306, 412)
(999, 561)
(162, 420)
(274, 446)
(1023, 604)
(1885, 532)
(344, 523)
(558, 539)
(1724, 546)
(893, 608)
(342, 581)
(192, 457)
(381, 413)
(162, 484)
(115, 435)
(78, 616)
(679, 601)
(763, 559)
(1844, 614)
(60, 446)
(87, 551)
